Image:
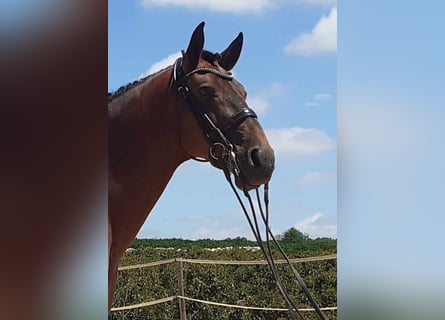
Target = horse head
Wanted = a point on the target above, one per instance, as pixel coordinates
(219, 125)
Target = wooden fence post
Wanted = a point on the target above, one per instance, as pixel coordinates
(182, 309)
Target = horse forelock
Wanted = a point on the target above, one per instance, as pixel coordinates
(210, 56)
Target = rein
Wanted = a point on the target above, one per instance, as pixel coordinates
(255, 227)
(221, 149)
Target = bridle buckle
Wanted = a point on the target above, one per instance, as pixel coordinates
(220, 152)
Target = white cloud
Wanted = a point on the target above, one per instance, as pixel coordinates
(227, 225)
(233, 6)
(322, 96)
(259, 104)
(300, 141)
(220, 231)
(322, 2)
(161, 64)
(316, 178)
(227, 6)
(322, 38)
(318, 225)
(260, 101)
(319, 97)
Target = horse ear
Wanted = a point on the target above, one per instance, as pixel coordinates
(191, 56)
(231, 54)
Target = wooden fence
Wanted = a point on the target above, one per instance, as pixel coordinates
(181, 298)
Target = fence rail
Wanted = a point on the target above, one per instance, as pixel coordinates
(248, 307)
(226, 262)
(146, 265)
(172, 298)
(145, 304)
(182, 298)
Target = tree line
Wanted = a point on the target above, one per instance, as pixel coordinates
(292, 239)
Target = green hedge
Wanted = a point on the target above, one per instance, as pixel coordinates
(250, 285)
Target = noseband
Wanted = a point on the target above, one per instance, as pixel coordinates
(221, 148)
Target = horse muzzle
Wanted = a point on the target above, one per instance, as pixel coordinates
(256, 167)
(250, 169)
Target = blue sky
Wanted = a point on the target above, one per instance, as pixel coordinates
(391, 76)
(288, 66)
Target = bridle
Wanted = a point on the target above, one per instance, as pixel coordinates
(222, 150)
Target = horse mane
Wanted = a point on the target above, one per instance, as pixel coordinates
(113, 95)
(206, 55)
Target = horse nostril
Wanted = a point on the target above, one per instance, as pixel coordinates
(255, 157)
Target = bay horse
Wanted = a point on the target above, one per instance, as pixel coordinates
(192, 109)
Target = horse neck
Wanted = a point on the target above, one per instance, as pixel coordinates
(144, 149)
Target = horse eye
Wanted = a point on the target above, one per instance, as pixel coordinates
(206, 91)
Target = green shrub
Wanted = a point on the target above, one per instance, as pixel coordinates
(250, 285)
